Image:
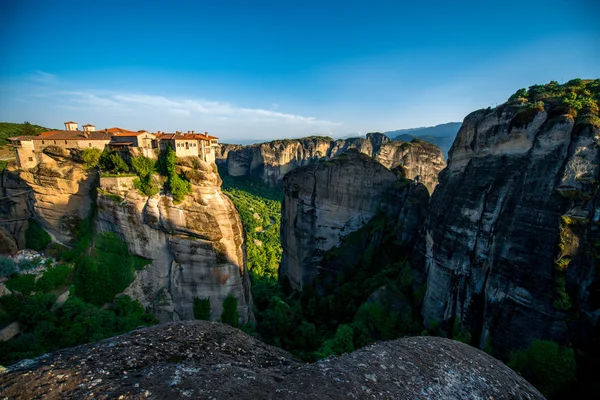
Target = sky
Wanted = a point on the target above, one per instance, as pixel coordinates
(260, 70)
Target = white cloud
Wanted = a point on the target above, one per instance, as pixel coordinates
(51, 104)
(200, 107)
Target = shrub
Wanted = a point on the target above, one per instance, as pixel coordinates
(107, 272)
(148, 186)
(143, 166)
(54, 278)
(118, 164)
(230, 314)
(521, 93)
(112, 161)
(202, 309)
(546, 365)
(7, 266)
(24, 284)
(179, 187)
(341, 343)
(91, 157)
(36, 237)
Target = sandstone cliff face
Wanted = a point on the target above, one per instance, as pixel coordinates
(203, 360)
(14, 211)
(196, 247)
(222, 152)
(271, 161)
(325, 202)
(511, 242)
(56, 193)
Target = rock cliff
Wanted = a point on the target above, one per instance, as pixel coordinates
(271, 161)
(196, 246)
(205, 360)
(56, 193)
(511, 244)
(325, 202)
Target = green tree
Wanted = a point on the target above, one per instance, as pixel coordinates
(521, 93)
(91, 157)
(202, 309)
(230, 314)
(28, 129)
(341, 343)
(546, 365)
(143, 166)
(118, 164)
(36, 237)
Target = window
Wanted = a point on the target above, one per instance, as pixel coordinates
(66, 142)
(30, 158)
(43, 142)
(89, 145)
(55, 142)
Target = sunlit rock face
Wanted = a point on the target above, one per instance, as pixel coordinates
(196, 246)
(510, 247)
(57, 193)
(271, 161)
(325, 202)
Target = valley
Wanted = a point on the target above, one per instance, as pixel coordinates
(322, 247)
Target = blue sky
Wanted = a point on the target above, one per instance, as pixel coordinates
(257, 70)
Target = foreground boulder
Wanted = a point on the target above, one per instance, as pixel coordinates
(204, 360)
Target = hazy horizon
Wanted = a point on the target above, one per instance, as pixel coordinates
(268, 70)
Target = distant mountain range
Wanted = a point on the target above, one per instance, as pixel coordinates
(442, 135)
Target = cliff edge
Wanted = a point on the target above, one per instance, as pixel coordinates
(206, 360)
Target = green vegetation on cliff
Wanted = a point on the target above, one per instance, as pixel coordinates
(546, 365)
(314, 325)
(36, 237)
(259, 207)
(178, 185)
(11, 129)
(578, 97)
(93, 271)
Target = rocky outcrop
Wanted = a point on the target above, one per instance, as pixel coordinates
(325, 202)
(59, 192)
(511, 244)
(196, 246)
(271, 161)
(203, 360)
(222, 152)
(14, 210)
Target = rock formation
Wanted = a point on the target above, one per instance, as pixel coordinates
(324, 202)
(56, 193)
(196, 246)
(271, 161)
(204, 360)
(511, 245)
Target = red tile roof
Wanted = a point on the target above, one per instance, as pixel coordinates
(73, 135)
(22, 138)
(184, 136)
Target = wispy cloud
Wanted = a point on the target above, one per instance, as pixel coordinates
(43, 77)
(198, 107)
(51, 103)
